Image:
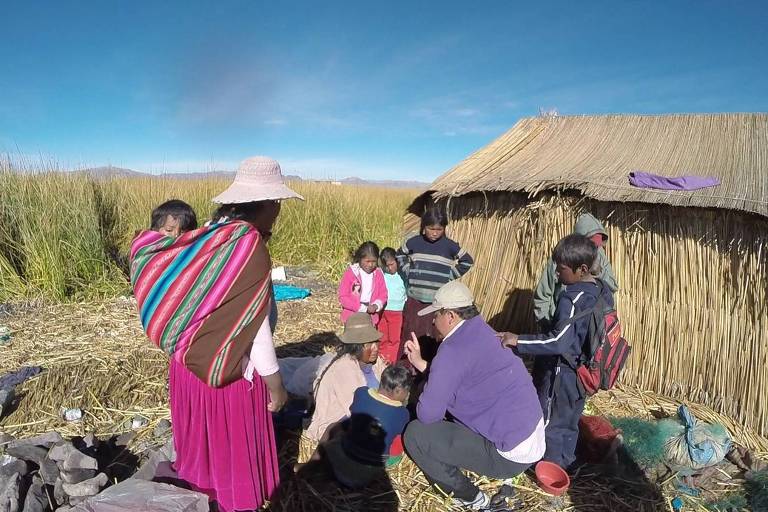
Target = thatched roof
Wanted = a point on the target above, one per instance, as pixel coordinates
(595, 154)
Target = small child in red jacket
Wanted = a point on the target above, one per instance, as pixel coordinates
(362, 288)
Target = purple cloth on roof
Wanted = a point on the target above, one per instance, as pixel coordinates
(648, 180)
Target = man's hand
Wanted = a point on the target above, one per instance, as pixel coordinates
(413, 352)
(507, 339)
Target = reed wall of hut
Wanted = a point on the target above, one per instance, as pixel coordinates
(693, 286)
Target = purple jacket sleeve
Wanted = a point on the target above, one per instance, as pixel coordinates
(444, 379)
(556, 342)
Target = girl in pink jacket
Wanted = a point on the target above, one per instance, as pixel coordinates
(362, 288)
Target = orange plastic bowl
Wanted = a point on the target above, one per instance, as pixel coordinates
(552, 479)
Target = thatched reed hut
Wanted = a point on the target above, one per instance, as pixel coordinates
(691, 265)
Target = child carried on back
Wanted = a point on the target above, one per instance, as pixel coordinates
(173, 218)
(561, 351)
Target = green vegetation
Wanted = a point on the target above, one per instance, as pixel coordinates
(66, 236)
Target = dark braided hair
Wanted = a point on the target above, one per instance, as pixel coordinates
(345, 349)
(238, 211)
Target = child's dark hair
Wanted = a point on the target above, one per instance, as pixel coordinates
(369, 249)
(177, 209)
(387, 254)
(574, 251)
(433, 216)
(395, 376)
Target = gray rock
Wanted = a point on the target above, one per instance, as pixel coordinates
(36, 500)
(28, 452)
(48, 439)
(169, 450)
(60, 451)
(74, 501)
(9, 493)
(58, 492)
(90, 440)
(17, 466)
(79, 460)
(75, 476)
(148, 470)
(89, 487)
(5, 439)
(6, 397)
(162, 428)
(125, 439)
(48, 471)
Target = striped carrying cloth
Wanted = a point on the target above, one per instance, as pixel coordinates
(203, 296)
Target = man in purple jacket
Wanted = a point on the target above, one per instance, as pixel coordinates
(497, 428)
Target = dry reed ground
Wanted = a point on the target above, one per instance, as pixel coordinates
(97, 358)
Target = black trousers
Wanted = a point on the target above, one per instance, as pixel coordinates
(562, 403)
(443, 449)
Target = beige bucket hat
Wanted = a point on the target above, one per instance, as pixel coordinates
(359, 329)
(452, 295)
(258, 178)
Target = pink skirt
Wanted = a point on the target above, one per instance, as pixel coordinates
(224, 439)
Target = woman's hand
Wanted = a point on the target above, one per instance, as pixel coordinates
(277, 392)
(413, 352)
(507, 339)
(277, 399)
(372, 308)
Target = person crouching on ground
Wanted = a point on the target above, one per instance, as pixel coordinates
(559, 352)
(498, 430)
(356, 364)
(359, 448)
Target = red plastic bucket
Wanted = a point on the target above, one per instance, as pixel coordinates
(552, 478)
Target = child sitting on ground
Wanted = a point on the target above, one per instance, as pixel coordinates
(359, 448)
(560, 351)
(391, 322)
(173, 218)
(362, 288)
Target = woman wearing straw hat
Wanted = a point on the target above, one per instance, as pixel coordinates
(223, 436)
(356, 364)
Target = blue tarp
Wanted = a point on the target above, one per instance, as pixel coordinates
(288, 292)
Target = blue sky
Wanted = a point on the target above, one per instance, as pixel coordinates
(374, 89)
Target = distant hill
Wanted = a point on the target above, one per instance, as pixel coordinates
(385, 183)
(108, 172)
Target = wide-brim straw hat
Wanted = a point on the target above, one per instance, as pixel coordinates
(258, 178)
(359, 329)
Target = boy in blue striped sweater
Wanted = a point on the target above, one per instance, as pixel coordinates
(428, 260)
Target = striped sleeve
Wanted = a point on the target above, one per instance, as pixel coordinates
(404, 256)
(559, 340)
(464, 263)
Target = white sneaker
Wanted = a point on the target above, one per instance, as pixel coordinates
(481, 501)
